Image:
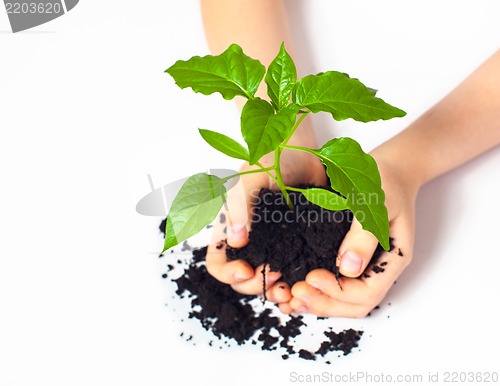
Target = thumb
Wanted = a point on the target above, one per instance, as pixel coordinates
(238, 208)
(356, 250)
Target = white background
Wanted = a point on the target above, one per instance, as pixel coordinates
(86, 112)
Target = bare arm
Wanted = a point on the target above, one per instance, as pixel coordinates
(463, 125)
(258, 26)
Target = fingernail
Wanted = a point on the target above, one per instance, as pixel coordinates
(236, 232)
(350, 262)
(302, 309)
(303, 298)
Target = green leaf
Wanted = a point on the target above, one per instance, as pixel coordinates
(230, 73)
(325, 199)
(355, 175)
(262, 129)
(343, 97)
(280, 78)
(196, 205)
(170, 239)
(225, 144)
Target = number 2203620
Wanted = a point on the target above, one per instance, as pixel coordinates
(34, 8)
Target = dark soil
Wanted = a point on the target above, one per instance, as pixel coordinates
(296, 241)
(231, 317)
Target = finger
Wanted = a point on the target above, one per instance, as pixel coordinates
(279, 293)
(356, 250)
(316, 302)
(256, 284)
(285, 308)
(238, 207)
(297, 305)
(231, 272)
(371, 288)
(367, 291)
(347, 290)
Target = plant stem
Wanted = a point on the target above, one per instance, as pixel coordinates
(279, 178)
(293, 189)
(300, 148)
(267, 172)
(261, 170)
(277, 155)
(297, 124)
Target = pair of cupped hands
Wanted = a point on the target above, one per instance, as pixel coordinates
(320, 293)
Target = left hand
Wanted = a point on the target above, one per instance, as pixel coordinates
(320, 293)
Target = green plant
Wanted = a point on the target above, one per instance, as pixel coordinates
(268, 126)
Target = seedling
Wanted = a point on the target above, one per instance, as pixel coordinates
(267, 126)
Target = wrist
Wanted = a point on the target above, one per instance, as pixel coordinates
(401, 167)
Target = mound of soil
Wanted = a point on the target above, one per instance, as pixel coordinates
(296, 241)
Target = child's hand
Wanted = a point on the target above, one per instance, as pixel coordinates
(233, 226)
(320, 293)
(297, 168)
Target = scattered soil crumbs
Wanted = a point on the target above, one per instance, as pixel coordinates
(377, 269)
(296, 241)
(233, 318)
